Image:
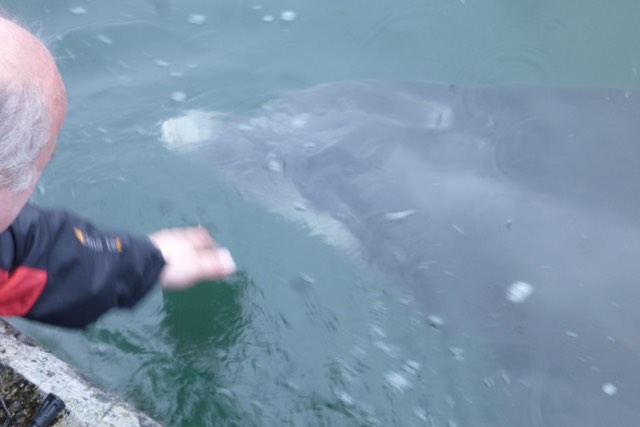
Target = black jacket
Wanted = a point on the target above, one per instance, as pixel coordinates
(58, 268)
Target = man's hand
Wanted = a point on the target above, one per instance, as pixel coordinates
(191, 256)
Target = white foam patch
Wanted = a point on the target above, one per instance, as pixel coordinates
(518, 292)
(78, 10)
(188, 131)
(609, 389)
(457, 353)
(345, 397)
(421, 414)
(435, 321)
(274, 164)
(299, 121)
(458, 228)
(377, 331)
(412, 367)
(104, 39)
(288, 15)
(397, 381)
(390, 350)
(196, 19)
(178, 96)
(400, 215)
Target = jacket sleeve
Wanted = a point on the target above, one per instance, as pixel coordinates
(58, 268)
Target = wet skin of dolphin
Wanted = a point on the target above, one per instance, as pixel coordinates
(511, 211)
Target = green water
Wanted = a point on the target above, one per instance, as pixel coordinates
(301, 336)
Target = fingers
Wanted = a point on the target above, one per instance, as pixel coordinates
(197, 237)
(215, 263)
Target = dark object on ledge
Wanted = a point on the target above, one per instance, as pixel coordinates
(47, 411)
(22, 400)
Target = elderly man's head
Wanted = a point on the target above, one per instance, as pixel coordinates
(32, 108)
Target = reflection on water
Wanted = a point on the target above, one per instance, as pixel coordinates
(475, 318)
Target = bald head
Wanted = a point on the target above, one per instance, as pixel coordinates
(26, 61)
(32, 108)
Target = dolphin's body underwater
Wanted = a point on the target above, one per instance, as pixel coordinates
(512, 211)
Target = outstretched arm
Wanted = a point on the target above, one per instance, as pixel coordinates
(58, 268)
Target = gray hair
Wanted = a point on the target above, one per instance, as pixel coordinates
(24, 132)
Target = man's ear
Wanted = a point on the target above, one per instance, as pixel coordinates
(11, 203)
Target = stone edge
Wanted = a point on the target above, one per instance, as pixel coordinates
(87, 404)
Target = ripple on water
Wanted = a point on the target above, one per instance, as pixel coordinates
(399, 20)
(520, 53)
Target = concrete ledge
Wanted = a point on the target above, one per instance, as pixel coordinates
(39, 372)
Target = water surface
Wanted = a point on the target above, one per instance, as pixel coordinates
(303, 335)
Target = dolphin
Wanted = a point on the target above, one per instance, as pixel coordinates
(513, 211)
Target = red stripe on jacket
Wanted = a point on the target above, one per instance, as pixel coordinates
(20, 290)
